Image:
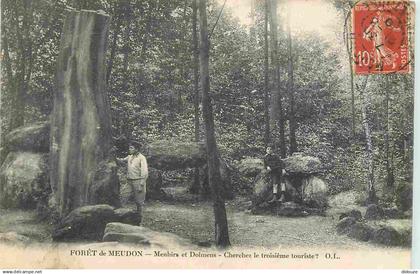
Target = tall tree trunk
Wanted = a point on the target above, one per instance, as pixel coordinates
(369, 147)
(266, 77)
(389, 157)
(277, 114)
(213, 161)
(195, 188)
(290, 86)
(126, 54)
(17, 116)
(252, 31)
(349, 48)
(83, 169)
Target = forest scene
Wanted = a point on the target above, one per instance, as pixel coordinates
(207, 91)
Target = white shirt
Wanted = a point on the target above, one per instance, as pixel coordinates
(136, 166)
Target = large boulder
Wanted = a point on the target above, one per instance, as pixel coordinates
(374, 212)
(303, 164)
(127, 216)
(35, 138)
(141, 235)
(315, 192)
(393, 213)
(360, 231)
(344, 225)
(154, 183)
(354, 213)
(392, 232)
(105, 186)
(24, 180)
(173, 154)
(263, 189)
(386, 235)
(84, 223)
(250, 167)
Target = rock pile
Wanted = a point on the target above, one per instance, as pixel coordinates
(375, 227)
(304, 186)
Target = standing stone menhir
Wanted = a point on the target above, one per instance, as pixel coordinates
(83, 168)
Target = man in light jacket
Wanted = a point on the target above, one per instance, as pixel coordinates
(137, 174)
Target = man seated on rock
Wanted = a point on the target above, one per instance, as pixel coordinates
(137, 173)
(275, 168)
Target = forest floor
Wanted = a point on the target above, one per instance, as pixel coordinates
(192, 218)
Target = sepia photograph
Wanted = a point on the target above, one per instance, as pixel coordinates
(206, 134)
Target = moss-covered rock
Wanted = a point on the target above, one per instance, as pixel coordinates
(174, 154)
(374, 212)
(24, 180)
(315, 192)
(302, 164)
(250, 167)
(354, 213)
(34, 138)
(344, 225)
(360, 231)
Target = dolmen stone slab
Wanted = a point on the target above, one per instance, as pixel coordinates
(125, 233)
(89, 222)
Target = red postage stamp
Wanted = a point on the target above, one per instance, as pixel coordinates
(381, 40)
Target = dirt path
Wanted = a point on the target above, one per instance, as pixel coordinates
(193, 219)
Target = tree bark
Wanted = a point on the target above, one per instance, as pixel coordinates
(369, 147)
(215, 179)
(83, 168)
(195, 187)
(266, 78)
(277, 114)
(290, 87)
(349, 48)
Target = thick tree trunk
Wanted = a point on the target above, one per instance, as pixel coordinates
(215, 178)
(83, 168)
(266, 78)
(290, 87)
(195, 187)
(277, 114)
(369, 147)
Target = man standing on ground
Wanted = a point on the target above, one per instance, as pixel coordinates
(274, 166)
(137, 174)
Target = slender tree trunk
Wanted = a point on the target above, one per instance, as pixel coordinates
(17, 116)
(252, 31)
(126, 126)
(153, 5)
(215, 178)
(369, 147)
(389, 158)
(349, 48)
(290, 87)
(195, 188)
(276, 96)
(266, 78)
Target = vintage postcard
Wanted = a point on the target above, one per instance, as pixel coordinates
(206, 134)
